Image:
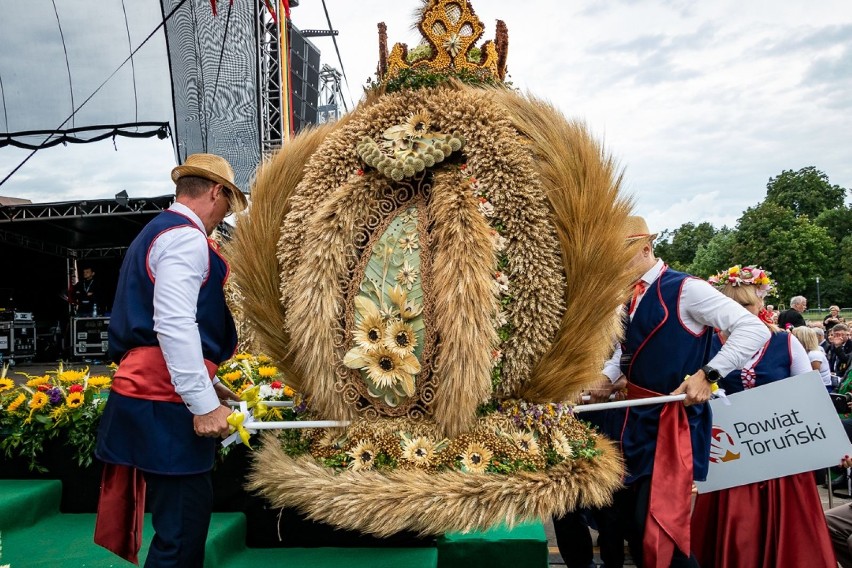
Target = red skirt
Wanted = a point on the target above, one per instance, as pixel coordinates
(777, 523)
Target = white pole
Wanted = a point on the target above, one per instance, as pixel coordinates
(268, 403)
(296, 424)
(625, 403)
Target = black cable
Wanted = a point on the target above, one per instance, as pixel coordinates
(339, 59)
(150, 35)
(67, 64)
(132, 65)
(3, 98)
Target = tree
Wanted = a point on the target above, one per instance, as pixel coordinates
(678, 247)
(792, 248)
(836, 277)
(716, 255)
(805, 192)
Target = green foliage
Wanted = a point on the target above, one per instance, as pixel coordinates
(792, 248)
(678, 247)
(806, 192)
(714, 256)
(424, 78)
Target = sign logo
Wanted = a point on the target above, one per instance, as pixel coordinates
(722, 446)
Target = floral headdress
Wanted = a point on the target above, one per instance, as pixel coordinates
(745, 276)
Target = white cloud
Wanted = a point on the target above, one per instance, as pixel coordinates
(702, 102)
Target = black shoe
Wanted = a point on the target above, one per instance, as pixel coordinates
(840, 482)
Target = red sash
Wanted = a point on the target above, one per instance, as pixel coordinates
(142, 373)
(667, 523)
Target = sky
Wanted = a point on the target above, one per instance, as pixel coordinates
(700, 102)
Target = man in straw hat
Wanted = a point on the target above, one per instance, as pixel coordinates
(669, 322)
(170, 329)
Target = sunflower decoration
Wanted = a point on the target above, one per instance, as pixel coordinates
(363, 456)
(526, 442)
(420, 451)
(387, 339)
(475, 458)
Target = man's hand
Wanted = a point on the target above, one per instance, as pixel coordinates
(214, 424)
(224, 393)
(600, 391)
(696, 388)
(619, 388)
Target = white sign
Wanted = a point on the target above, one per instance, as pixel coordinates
(779, 429)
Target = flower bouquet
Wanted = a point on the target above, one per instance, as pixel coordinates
(65, 401)
(254, 379)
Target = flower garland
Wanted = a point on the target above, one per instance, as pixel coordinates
(745, 276)
(501, 277)
(518, 436)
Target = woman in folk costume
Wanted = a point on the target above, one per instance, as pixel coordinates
(778, 522)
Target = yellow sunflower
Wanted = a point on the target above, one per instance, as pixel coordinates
(476, 458)
(36, 381)
(525, 442)
(368, 333)
(363, 456)
(16, 404)
(263, 359)
(38, 401)
(399, 338)
(74, 400)
(72, 376)
(267, 371)
(288, 391)
(99, 382)
(418, 451)
(232, 376)
(6, 384)
(242, 356)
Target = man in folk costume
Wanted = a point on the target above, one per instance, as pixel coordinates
(170, 330)
(669, 323)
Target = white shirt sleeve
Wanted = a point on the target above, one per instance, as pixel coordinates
(800, 363)
(612, 367)
(179, 263)
(702, 305)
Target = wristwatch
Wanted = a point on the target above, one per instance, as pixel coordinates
(711, 374)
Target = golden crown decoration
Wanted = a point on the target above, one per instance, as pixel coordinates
(451, 29)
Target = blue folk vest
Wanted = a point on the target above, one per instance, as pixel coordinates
(773, 365)
(151, 435)
(132, 321)
(657, 353)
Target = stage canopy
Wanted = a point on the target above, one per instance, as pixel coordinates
(79, 71)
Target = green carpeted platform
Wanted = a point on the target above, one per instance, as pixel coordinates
(24, 502)
(66, 540)
(524, 546)
(336, 557)
(35, 534)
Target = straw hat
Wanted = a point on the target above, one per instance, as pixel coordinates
(635, 228)
(215, 168)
